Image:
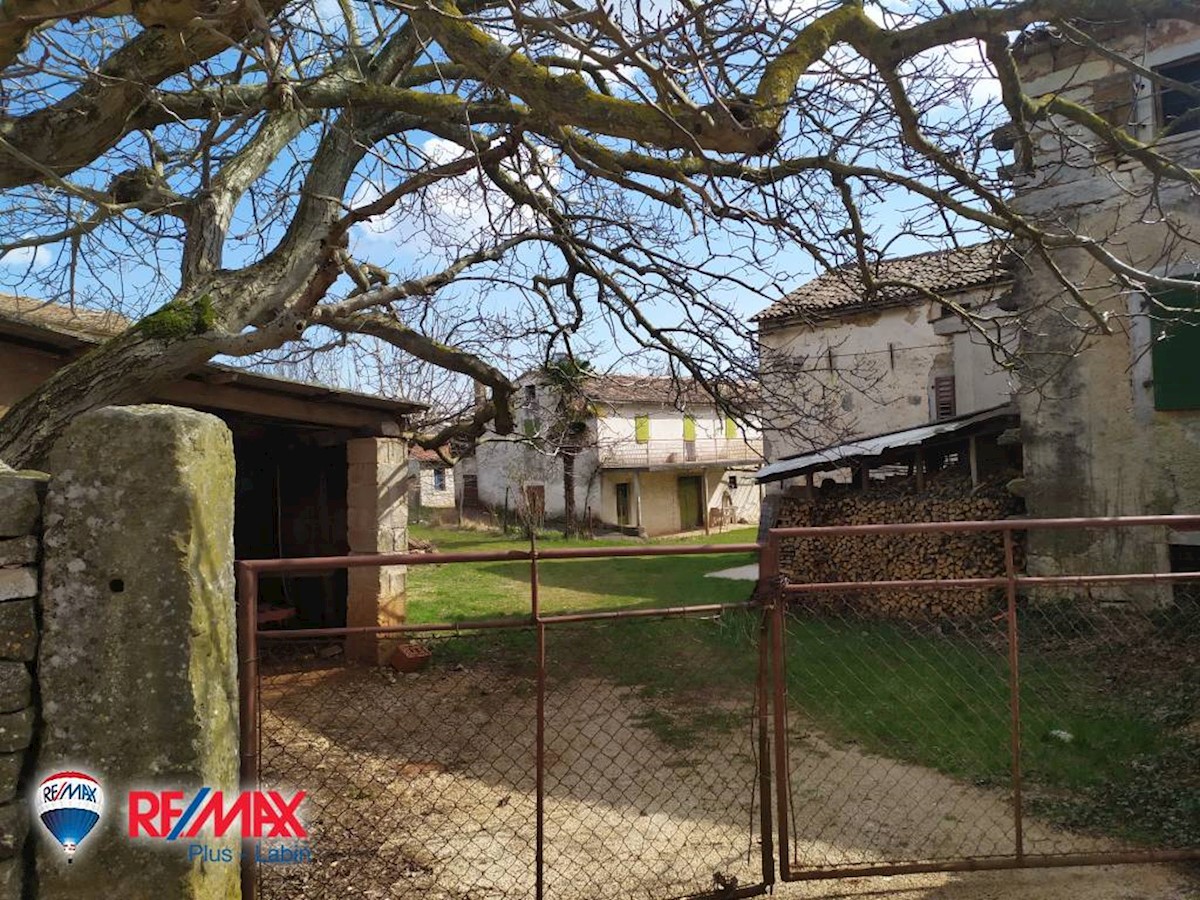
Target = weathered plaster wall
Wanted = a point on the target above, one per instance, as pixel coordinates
(884, 364)
(430, 496)
(1094, 444)
(510, 465)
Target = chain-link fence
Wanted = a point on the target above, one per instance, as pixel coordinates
(988, 721)
(825, 729)
(418, 784)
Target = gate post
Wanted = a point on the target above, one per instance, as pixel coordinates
(771, 581)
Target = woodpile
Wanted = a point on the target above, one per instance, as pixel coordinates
(900, 557)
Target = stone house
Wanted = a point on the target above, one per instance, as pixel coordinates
(656, 457)
(1114, 428)
(319, 471)
(837, 364)
(433, 488)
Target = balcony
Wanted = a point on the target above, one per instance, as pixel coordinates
(705, 451)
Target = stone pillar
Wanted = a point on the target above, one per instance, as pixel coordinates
(137, 666)
(377, 519)
(20, 546)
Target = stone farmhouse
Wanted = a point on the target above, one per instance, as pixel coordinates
(1109, 423)
(656, 457)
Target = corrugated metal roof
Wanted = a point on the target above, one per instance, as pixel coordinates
(940, 272)
(875, 445)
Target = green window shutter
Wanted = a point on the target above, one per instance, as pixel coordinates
(689, 428)
(730, 429)
(1175, 354)
(641, 429)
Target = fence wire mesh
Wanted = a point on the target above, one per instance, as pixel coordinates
(900, 743)
(652, 754)
(419, 785)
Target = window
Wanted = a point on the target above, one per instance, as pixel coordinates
(641, 429)
(439, 479)
(943, 397)
(1176, 350)
(1179, 110)
(730, 429)
(530, 394)
(733, 481)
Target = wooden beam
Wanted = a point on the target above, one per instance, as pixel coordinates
(919, 469)
(973, 456)
(222, 397)
(809, 487)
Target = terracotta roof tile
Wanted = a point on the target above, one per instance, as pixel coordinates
(941, 271)
(72, 320)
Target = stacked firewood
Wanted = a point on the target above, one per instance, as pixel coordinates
(899, 557)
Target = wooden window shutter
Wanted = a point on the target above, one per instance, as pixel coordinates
(641, 429)
(1175, 350)
(943, 397)
(730, 429)
(689, 428)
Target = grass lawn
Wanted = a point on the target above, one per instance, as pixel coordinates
(939, 700)
(493, 590)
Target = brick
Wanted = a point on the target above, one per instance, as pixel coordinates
(10, 780)
(20, 504)
(16, 733)
(16, 584)
(19, 551)
(15, 686)
(18, 630)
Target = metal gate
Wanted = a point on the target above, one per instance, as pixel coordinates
(506, 767)
(843, 742)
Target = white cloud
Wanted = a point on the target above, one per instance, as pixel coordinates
(27, 258)
(454, 212)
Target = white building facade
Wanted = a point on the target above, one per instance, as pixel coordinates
(839, 364)
(655, 457)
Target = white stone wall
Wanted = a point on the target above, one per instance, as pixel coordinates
(431, 496)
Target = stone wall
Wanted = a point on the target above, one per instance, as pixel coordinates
(21, 496)
(117, 643)
(1095, 445)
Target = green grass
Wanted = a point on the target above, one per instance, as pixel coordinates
(493, 590)
(935, 699)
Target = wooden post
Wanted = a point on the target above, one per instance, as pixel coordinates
(705, 497)
(809, 487)
(973, 456)
(637, 501)
(866, 476)
(919, 469)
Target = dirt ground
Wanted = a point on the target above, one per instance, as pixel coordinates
(423, 786)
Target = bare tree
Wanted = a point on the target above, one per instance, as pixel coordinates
(619, 173)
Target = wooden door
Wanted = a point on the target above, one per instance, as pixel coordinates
(691, 504)
(623, 503)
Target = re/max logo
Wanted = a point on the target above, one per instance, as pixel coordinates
(66, 790)
(253, 814)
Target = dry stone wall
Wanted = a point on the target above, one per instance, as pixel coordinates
(21, 496)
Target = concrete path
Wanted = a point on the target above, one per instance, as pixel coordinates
(737, 573)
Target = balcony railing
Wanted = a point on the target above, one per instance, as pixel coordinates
(703, 450)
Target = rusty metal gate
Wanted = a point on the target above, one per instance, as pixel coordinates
(844, 739)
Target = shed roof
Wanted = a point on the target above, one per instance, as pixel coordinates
(841, 455)
(842, 291)
(64, 329)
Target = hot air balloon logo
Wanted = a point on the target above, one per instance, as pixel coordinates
(69, 805)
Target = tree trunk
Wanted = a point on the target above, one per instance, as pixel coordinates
(568, 454)
(123, 370)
